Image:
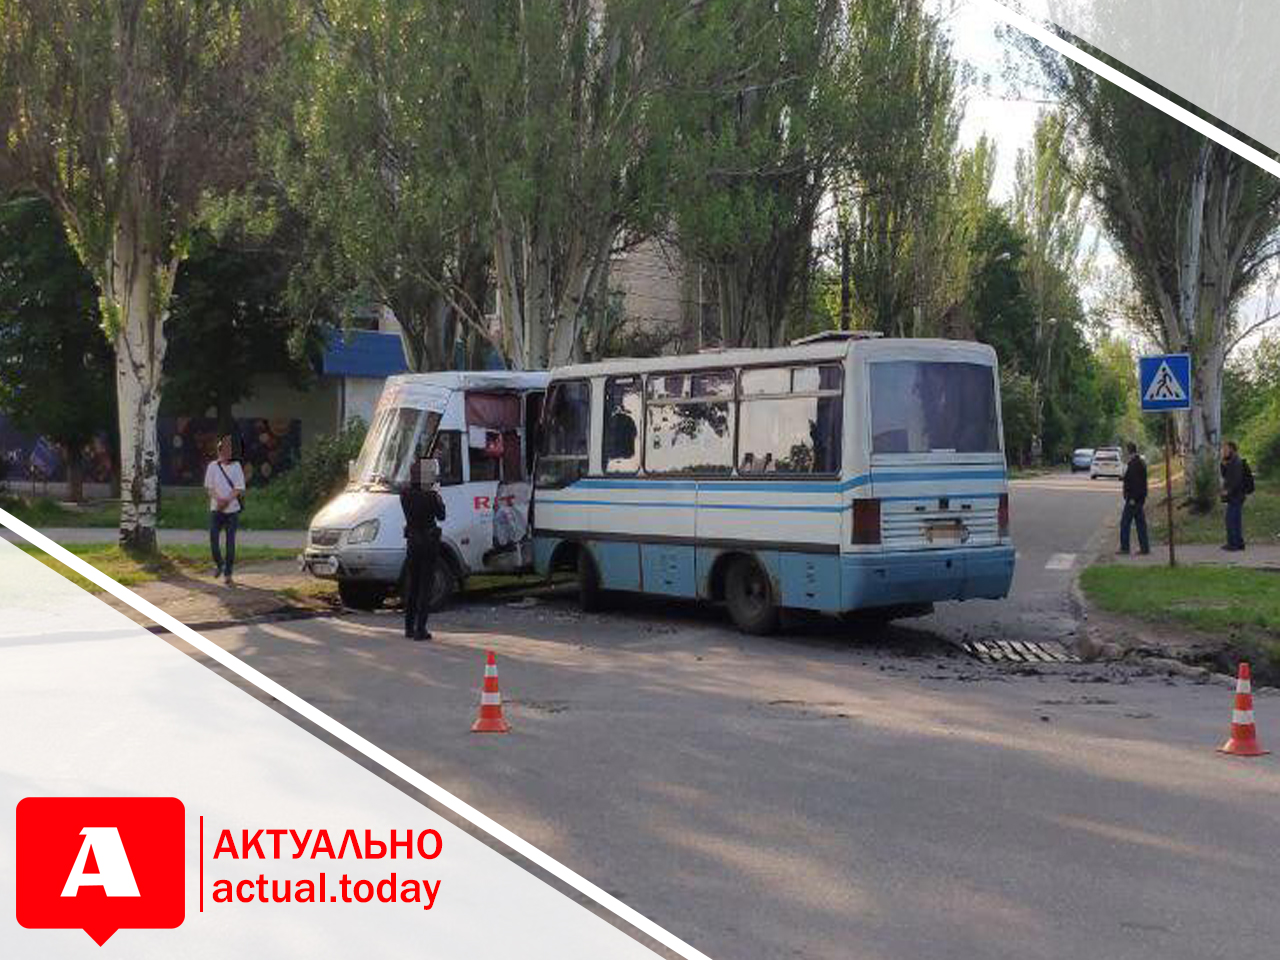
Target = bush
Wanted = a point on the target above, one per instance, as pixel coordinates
(1202, 483)
(322, 471)
(1260, 440)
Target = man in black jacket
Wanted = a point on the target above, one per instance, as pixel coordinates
(423, 509)
(1135, 500)
(1233, 495)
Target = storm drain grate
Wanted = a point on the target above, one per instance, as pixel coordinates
(1018, 651)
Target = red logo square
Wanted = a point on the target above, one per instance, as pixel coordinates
(101, 863)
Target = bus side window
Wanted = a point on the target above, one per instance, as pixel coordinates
(447, 449)
(532, 429)
(484, 466)
(623, 407)
(566, 425)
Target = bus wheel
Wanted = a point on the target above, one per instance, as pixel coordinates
(444, 584)
(361, 594)
(750, 597)
(590, 594)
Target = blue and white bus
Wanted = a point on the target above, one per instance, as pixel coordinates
(840, 474)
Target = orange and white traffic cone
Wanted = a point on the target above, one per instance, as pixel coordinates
(1244, 736)
(490, 719)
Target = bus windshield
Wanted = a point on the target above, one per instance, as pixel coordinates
(930, 406)
(399, 435)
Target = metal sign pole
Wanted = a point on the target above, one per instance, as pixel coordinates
(1168, 483)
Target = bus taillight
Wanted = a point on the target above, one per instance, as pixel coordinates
(1002, 515)
(866, 521)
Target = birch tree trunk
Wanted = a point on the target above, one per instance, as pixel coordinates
(138, 282)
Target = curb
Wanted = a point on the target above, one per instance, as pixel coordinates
(1088, 646)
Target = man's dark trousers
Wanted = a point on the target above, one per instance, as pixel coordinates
(1235, 523)
(219, 521)
(420, 573)
(1134, 513)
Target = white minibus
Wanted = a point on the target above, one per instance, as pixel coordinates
(480, 427)
(844, 473)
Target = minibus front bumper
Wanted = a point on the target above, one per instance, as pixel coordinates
(875, 579)
(354, 563)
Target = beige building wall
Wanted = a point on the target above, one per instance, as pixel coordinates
(661, 293)
(317, 406)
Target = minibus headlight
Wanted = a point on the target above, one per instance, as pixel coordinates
(365, 532)
(1002, 515)
(866, 521)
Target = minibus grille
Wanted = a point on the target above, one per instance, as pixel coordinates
(927, 523)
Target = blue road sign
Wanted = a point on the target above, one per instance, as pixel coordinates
(1164, 382)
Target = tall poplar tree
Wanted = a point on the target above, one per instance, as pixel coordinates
(126, 115)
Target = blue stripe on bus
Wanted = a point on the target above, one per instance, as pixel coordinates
(770, 506)
(616, 503)
(883, 475)
(778, 507)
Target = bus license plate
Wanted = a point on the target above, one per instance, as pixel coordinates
(945, 532)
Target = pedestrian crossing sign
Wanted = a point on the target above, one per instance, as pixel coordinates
(1164, 382)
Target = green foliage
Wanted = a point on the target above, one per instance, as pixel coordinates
(229, 326)
(1260, 440)
(1019, 410)
(755, 116)
(911, 203)
(999, 303)
(1203, 482)
(56, 371)
(377, 155)
(1215, 599)
(1251, 383)
(1150, 176)
(322, 471)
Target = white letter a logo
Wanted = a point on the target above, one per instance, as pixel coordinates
(114, 875)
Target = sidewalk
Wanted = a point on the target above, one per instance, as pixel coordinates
(276, 588)
(287, 539)
(1263, 556)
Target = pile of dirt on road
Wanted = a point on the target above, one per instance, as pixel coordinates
(1108, 636)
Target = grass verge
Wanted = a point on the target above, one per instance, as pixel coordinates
(130, 572)
(1261, 517)
(1241, 607)
(265, 509)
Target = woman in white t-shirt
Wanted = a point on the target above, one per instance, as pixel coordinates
(224, 480)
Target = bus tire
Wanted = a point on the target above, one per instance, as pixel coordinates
(590, 593)
(444, 583)
(749, 595)
(361, 594)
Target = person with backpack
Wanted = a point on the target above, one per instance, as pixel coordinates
(1237, 484)
(423, 512)
(1135, 499)
(224, 481)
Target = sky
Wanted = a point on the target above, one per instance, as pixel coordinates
(991, 108)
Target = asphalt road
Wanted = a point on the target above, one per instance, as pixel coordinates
(822, 795)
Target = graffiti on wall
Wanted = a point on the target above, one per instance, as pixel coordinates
(265, 447)
(24, 457)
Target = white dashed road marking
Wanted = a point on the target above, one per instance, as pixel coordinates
(1061, 561)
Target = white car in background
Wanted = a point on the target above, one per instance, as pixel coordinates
(1106, 463)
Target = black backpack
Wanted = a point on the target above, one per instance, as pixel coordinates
(1246, 478)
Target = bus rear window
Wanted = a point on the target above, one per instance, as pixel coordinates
(927, 406)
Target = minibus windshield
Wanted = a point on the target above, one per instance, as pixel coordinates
(399, 435)
(931, 406)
